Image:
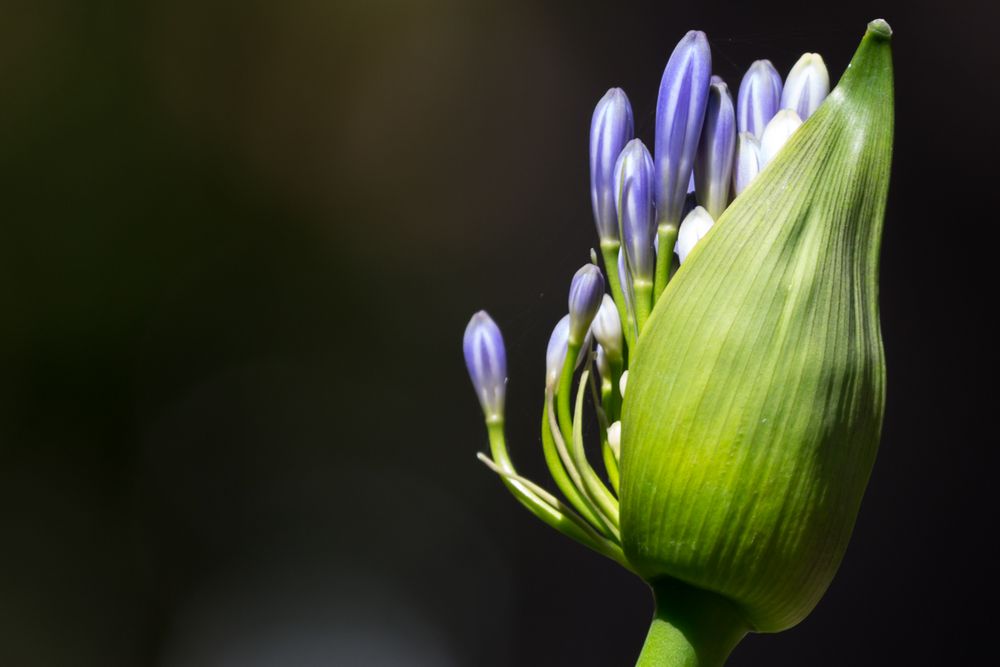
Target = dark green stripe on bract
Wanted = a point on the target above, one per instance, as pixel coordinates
(755, 401)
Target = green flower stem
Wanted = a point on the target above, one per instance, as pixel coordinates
(565, 390)
(609, 252)
(586, 480)
(611, 397)
(558, 471)
(643, 303)
(691, 627)
(610, 462)
(607, 391)
(553, 513)
(610, 412)
(611, 465)
(542, 504)
(602, 524)
(595, 394)
(593, 486)
(667, 233)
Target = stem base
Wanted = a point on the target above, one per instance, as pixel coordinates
(692, 627)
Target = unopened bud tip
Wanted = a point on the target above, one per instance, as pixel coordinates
(880, 27)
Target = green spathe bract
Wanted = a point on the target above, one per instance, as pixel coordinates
(755, 403)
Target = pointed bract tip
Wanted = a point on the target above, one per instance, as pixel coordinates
(881, 28)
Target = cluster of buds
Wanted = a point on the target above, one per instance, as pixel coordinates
(707, 151)
(649, 209)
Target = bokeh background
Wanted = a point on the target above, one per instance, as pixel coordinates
(239, 243)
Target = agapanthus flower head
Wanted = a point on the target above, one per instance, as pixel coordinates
(610, 129)
(486, 361)
(739, 407)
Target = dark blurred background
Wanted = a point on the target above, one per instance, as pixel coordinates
(238, 247)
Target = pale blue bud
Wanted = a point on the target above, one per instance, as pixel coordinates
(585, 293)
(636, 214)
(807, 85)
(486, 360)
(680, 113)
(713, 166)
(759, 98)
(610, 129)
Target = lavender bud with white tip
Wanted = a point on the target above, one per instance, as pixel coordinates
(486, 360)
(807, 85)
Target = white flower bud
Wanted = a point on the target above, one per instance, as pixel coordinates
(777, 133)
(607, 328)
(696, 224)
(615, 438)
(747, 161)
(555, 353)
(807, 85)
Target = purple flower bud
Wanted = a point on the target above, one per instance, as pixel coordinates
(807, 85)
(680, 112)
(636, 215)
(555, 353)
(486, 359)
(607, 328)
(713, 165)
(695, 226)
(759, 98)
(747, 164)
(610, 129)
(585, 294)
